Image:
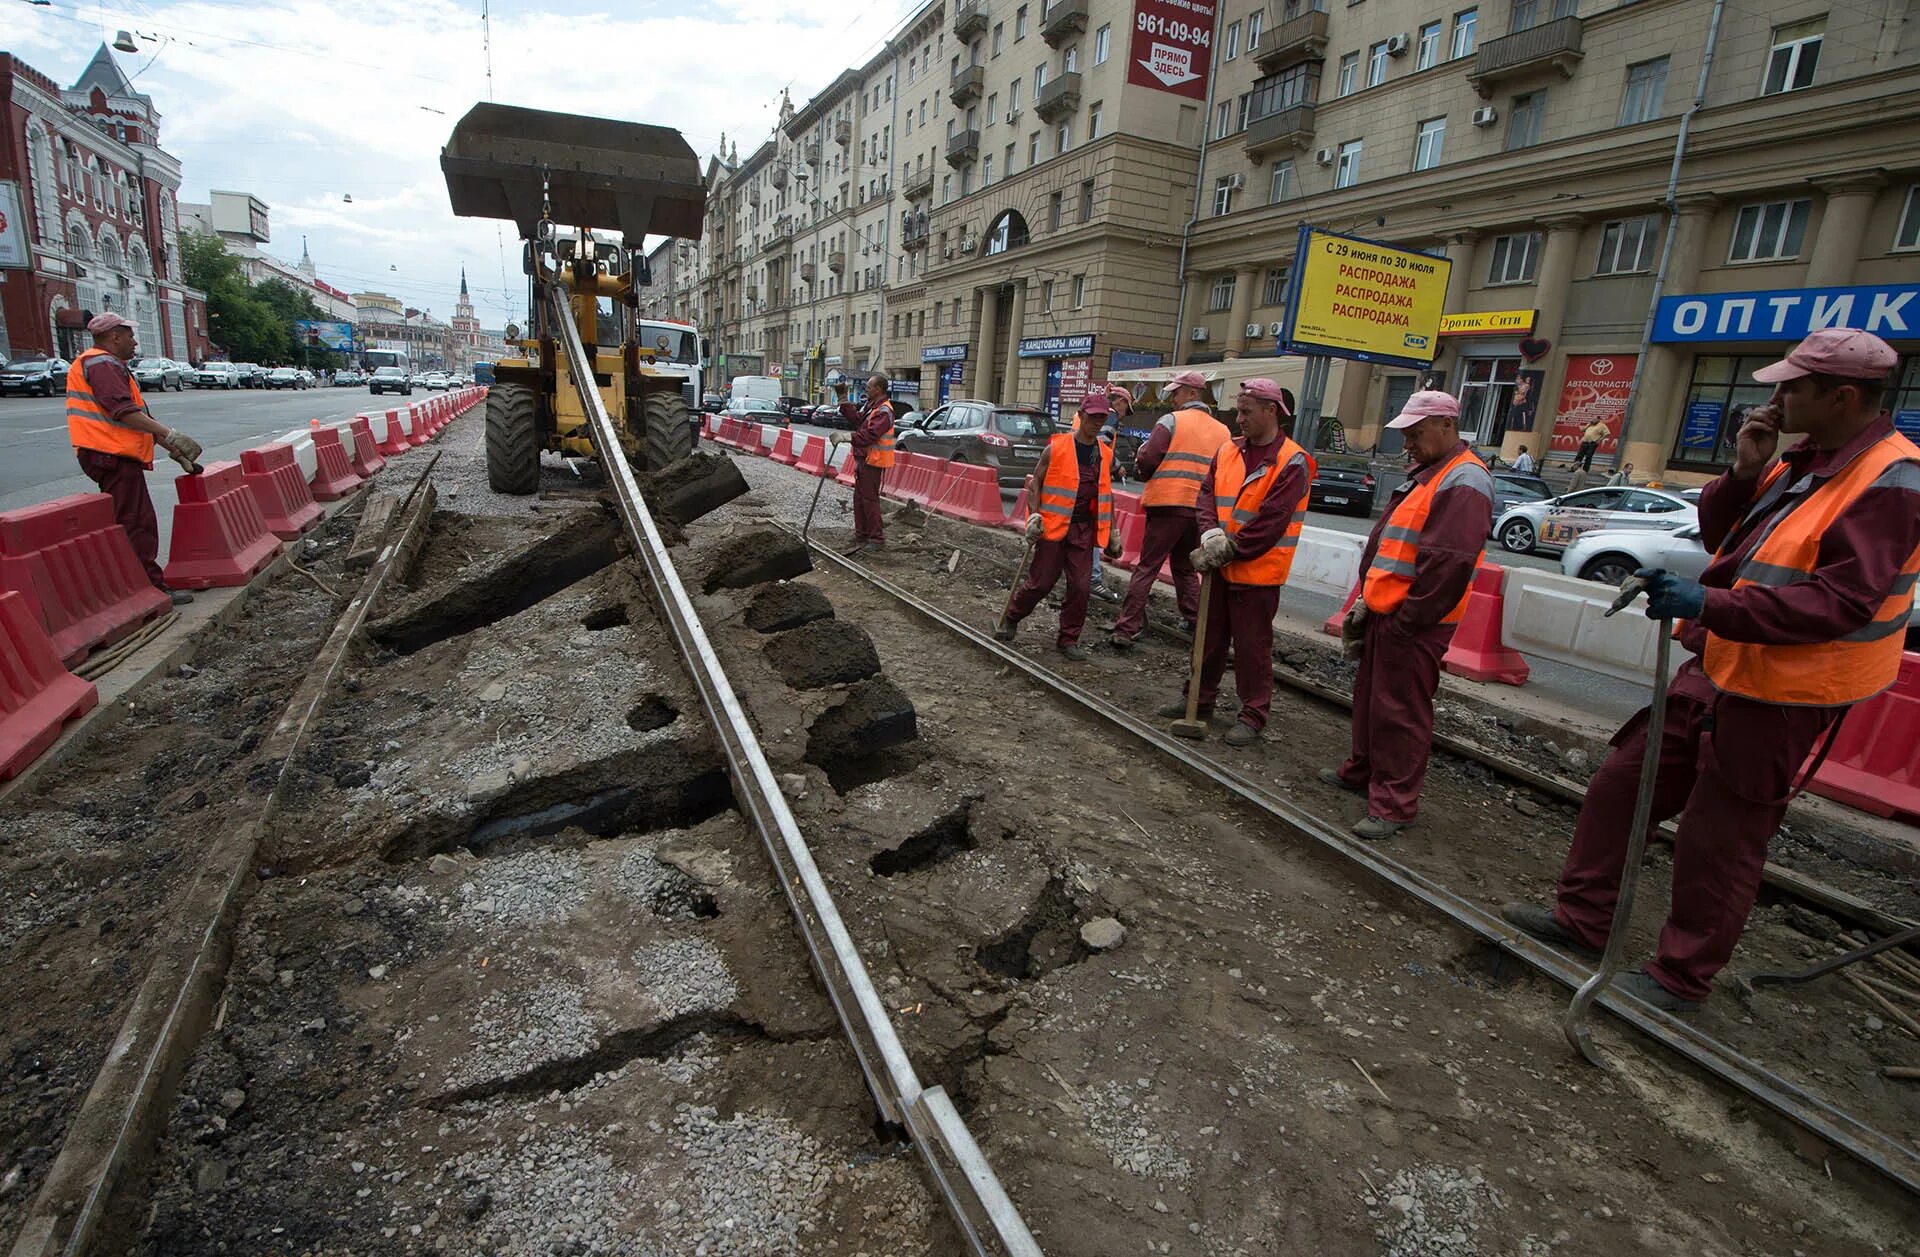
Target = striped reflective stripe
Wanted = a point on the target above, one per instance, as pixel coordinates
(1878, 630)
(1397, 567)
(1468, 476)
(1394, 532)
(1046, 509)
(1772, 574)
(1902, 584)
(1166, 474)
(1903, 475)
(1288, 542)
(1182, 456)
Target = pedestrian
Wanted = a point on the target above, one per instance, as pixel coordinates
(1622, 477)
(113, 434)
(873, 448)
(1073, 484)
(1523, 462)
(1800, 614)
(1249, 508)
(1590, 438)
(1416, 571)
(1175, 459)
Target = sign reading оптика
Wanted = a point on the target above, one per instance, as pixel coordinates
(1365, 300)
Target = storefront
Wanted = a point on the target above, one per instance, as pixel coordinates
(1069, 362)
(1498, 386)
(950, 361)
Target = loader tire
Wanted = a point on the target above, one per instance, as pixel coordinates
(668, 430)
(513, 440)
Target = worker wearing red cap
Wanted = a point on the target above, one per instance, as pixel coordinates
(1250, 506)
(1073, 487)
(1415, 573)
(1173, 462)
(1801, 613)
(113, 435)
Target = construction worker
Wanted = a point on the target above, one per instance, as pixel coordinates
(1800, 614)
(1249, 507)
(873, 447)
(113, 434)
(1073, 484)
(1173, 462)
(1415, 573)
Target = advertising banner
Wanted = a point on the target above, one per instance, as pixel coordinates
(13, 228)
(1525, 405)
(1489, 323)
(1133, 359)
(315, 334)
(1057, 346)
(1075, 375)
(1701, 427)
(1595, 388)
(1890, 311)
(1364, 300)
(1172, 46)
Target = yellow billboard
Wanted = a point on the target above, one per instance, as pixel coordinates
(1361, 299)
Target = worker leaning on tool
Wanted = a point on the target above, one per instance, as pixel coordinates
(873, 448)
(1173, 461)
(1800, 614)
(113, 435)
(1251, 504)
(1073, 484)
(1415, 574)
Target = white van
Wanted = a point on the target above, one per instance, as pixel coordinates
(763, 387)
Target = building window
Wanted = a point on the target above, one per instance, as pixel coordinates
(1280, 186)
(1006, 166)
(1908, 234)
(993, 107)
(1046, 296)
(1274, 293)
(1254, 23)
(1232, 49)
(1102, 42)
(1297, 85)
(1646, 86)
(1079, 291)
(1053, 212)
(986, 170)
(1039, 79)
(1523, 119)
(1525, 14)
(1019, 23)
(1223, 195)
(1349, 74)
(1726, 385)
(1795, 56)
(1064, 136)
(1427, 143)
(946, 188)
(1070, 60)
(1033, 149)
(1464, 23)
(999, 33)
(1086, 201)
(1222, 119)
(1346, 168)
(1770, 231)
(1428, 54)
(1220, 296)
(1377, 64)
(1009, 231)
(1514, 259)
(1093, 120)
(1626, 246)
(1013, 100)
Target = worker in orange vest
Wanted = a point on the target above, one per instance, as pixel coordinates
(113, 435)
(1173, 462)
(1801, 613)
(1073, 486)
(1415, 574)
(873, 447)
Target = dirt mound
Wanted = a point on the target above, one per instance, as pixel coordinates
(826, 652)
(787, 606)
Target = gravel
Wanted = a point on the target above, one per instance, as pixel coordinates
(756, 1184)
(461, 474)
(556, 1193)
(1433, 1211)
(535, 888)
(517, 1031)
(665, 890)
(1119, 1123)
(685, 975)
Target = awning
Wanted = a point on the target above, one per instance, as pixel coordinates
(1225, 377)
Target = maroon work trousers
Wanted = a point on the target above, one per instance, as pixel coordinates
(1242, 615)
(867, 522)
(1727, 766)
(1393, 714)
(125, 481)
(1051, 560)
(1171, 535)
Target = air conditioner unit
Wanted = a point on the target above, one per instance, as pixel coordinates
(1236, 182)
(1274, 329)
(1397, 46)
(1253, 329)
(1013, 115)
(947, 253)
(1199, 334)
(1485, 116)
(967, 244)
(1324, 157)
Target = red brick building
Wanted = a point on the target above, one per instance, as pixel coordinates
(97, 198)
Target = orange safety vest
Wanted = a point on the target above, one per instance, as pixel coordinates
(1237, 498)
(1390, 575)
(1197, 437)
(1820, 674)
(1062, 486)
(880, 453)
(90, 427)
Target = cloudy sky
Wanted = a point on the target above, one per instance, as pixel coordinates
(305, 102)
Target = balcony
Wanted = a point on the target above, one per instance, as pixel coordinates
(779, 173)
(1302, 39)
(837, 261)
(913, 231)
(1551, 45)
(969, 20)
(963, 148)
(807, 272)
(916, 185)
(1284, 132)
(753, 194)
(778, 236)
(843, 132)
(1062, 21)
(968, 81)
(813, 152)
(1060, 97)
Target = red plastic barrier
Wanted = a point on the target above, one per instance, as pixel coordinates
(922, 478)
(813, 459)
(364, 451)
(419, 427)
(1332, 625)
(219, 535)
(37, 695)
(1131, 519)
(782, 451)
(1017, 517)
(849, 468)
(969, 493)
(274, 480)
(750, 438)
(393, 434)
(333, 475)
(1875, 761)
(1476, 652)
(74, 567)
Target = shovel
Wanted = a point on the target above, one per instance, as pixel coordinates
(1019, 579)
(1192, 726)
(818, 485)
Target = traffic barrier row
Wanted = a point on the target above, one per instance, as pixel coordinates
(1874, 763)
(37, 693)
(75, 570)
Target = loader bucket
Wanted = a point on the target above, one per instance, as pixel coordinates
(641, 180)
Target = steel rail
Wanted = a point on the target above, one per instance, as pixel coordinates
(1876, 1149)
(979, 1205)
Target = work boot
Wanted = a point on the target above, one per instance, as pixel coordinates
(1378, 828)
(1543, 925)
(1072, 652)
(1006, 630)
(1187, 626)
(1242, 734)
(180, 597)
(1120, 642)
(1646, 988)
(1333, 778)
(1177, 710)
(858, 548)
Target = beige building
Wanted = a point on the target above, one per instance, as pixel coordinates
(1031, 204)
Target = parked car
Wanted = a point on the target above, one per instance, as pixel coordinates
(1513, 488)
(1342, 488)
(1552, 524)
(1006, 438)
(34, 373)
(252, 374)
(158, 374)
(348, 379)
(284, 377)
(390, 380)
(712, 403)
(790, 404)
(218, 375)
(758, 410)
(307, 378)
(1610, 555)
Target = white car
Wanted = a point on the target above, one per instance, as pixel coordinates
(1554, 523)
(431, 380)
(217, 375)
(1610, 555)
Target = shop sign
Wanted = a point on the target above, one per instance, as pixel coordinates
(944, 353)
(1596, 388)
(1172, 46)
(1133, 360)
(789, 372)
(833, 360)
(1075, 374)
(1489, 323)
(1701, 426)
(1891, 311)
(1079, 346)
(1364, 300)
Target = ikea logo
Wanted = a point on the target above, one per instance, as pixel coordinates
(1413, 340)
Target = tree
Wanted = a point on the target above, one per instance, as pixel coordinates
(252, 322)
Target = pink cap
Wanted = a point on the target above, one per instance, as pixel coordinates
(100, 324)
(1095, 404)
(1841, 351)
(1190, 379)
(1426, 404)
(1267, 391)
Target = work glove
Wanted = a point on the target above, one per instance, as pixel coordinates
(1113, 549)
(1671, 596)
(184, 449)
(1215, 552)
(1035, 526)
(840, 438)
(1353, 632)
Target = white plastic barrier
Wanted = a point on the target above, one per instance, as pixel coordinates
(1564, 619)
(1327, 561)
(301, 439)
